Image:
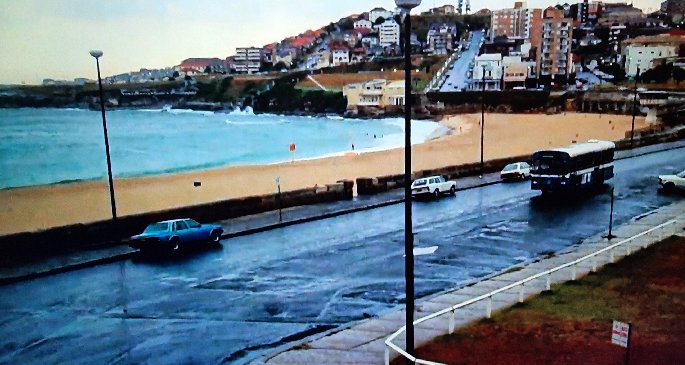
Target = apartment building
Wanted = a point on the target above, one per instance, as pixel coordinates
(378, 93)
(554, 58)
(248, 60)
(519, 22)
(640, 53)
(441, 37)
(487, 72)
(389, 33)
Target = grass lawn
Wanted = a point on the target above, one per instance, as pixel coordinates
(572, 323)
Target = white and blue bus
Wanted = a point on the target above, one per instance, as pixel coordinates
(573, 168)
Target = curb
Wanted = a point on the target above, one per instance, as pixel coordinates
(66, 268)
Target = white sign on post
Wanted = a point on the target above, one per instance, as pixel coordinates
(619, 334)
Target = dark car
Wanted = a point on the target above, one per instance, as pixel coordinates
(174, 235)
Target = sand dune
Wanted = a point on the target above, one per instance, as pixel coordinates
(34, 208)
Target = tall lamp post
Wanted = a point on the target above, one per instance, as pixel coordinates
(97, 54)
(632, 125)
(482, 120)
(406, 6)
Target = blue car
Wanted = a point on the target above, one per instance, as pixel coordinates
(174, 235)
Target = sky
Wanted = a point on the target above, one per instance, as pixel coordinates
(51, 38)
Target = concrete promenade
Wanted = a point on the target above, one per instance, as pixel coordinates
(364, 342)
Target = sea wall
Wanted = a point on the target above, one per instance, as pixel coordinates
(50, 241)
(375, 185)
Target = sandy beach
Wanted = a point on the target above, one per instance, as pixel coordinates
(35, 208)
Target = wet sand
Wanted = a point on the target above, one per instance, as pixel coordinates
(35, 208)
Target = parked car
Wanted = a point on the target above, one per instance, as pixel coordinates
(433, 185)
(672, 182)
(174, 235)
(515, 171)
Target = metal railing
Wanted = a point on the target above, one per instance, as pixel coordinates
(521, 286)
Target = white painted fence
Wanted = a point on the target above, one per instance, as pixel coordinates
(660, 231)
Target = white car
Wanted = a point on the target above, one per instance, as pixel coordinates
(433, 185)
(672, 182)
(515, 171)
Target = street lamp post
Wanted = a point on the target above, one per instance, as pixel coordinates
(97, 54)
(482, 121)
(406, 6)
(632, 125)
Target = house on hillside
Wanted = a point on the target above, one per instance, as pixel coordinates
(363, 24)
(340, 55)
(358, 55)
(377, 93)
(193, 66)
(377, 13)
(441, 38)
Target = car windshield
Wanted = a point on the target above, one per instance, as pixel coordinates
(510, 167)
(156, 227)
(420, 182)
(549, 164)
(681, 174)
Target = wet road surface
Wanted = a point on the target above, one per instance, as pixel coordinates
(265, 290)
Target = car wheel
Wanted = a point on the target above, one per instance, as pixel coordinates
(175, 244)
(669, 186)
(215, 237)
(453, 190)
(436, 193)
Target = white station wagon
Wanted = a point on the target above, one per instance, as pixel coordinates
(433, 185)
(672, 182)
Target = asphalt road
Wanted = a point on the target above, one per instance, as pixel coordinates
(266, 290)
(457, 77)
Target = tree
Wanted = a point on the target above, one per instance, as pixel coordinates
(175, 74)
(379, 20)
(208, 70)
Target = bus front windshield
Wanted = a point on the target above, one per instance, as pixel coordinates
(549, 165)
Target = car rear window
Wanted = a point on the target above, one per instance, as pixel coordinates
(420, 182)
(157, 227)
(510, 167)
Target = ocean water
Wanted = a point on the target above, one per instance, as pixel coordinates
(47, 146)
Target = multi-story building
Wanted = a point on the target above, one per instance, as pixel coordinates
(554, 58)
(640, 53)
(341, 55)
(363, 23)
(377, 93)
(519, 22)
(516, 71)
(441, 37)
(248, 60)
(487, 72)
(389, 33)
(619, 13)
(376, 13)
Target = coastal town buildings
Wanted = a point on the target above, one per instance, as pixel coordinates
(441, 38)
(248, 60)
(363, 24)
(515, 71)
(554, 58)
(192, 66)
(487, 72)
(340, 55)
(377, 13)
(377, 93)
(519, 22)
(641, 53)
(447, 9)
(389, 33)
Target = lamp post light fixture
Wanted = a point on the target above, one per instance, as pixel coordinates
(97, 54)
(406, 6)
